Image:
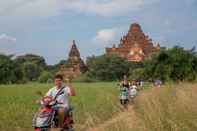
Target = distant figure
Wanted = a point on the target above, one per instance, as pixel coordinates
(157, 83)
(124, 91)
(137, 83)
(134, 84)
(133, 91)
(141, 83)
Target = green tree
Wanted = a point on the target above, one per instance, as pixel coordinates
(174, 64)
(107, 67)
(185, 64)
(136, 74)
(31, 71)
(31, 65)
(36, 59)
(55, 68)
(45, 77)
(9, 73)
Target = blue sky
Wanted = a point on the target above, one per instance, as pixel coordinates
(47, 27)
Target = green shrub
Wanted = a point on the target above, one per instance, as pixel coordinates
(176, 64)
(136, 74)
(107, 67)
(45, 77)
(84, 78)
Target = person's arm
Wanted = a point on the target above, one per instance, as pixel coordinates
(71, 91)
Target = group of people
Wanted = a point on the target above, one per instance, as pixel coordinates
(128, 90)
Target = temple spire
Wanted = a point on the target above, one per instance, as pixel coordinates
(74, 66)
(74, 50)
(135, 28)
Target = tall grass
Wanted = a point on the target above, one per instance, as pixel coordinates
(94, 103)
(171, 108)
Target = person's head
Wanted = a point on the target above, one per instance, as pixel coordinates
(125, 77)
(125, 80)
(133, 82)
(58, 80)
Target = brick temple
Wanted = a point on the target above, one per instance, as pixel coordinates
(135, 45)
(74, 65)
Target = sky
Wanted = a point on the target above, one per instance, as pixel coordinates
(47, 27)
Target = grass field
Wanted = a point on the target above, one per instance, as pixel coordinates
(170, 108)
(94, 103)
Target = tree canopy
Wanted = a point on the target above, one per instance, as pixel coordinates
(174, 64)
(107, 67)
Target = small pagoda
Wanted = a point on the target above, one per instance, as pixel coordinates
(74, 66)
(135, 45)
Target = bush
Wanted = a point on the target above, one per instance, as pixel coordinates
(107, 67)
(174, 64)
(31, 71)
(10, 72)
(136, 74)
(84, 78)
(45, 77)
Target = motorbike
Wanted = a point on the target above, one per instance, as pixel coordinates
(124, 97)
(132, 94)
(46, 118)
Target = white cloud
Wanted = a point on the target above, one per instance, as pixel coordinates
(108, 36)
(6, 38)
(105, 35)
(45, 8)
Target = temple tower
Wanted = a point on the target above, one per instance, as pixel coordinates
(135, 45)
(74, 65)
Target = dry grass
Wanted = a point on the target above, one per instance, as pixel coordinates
(120, 122)
(171, 108)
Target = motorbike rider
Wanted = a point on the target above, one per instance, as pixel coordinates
(133, 89)
(124, 91)
(61, 92)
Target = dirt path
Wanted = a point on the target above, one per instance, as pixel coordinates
(126, 116)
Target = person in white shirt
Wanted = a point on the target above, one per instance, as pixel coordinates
(61, 92)
(133, 89)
